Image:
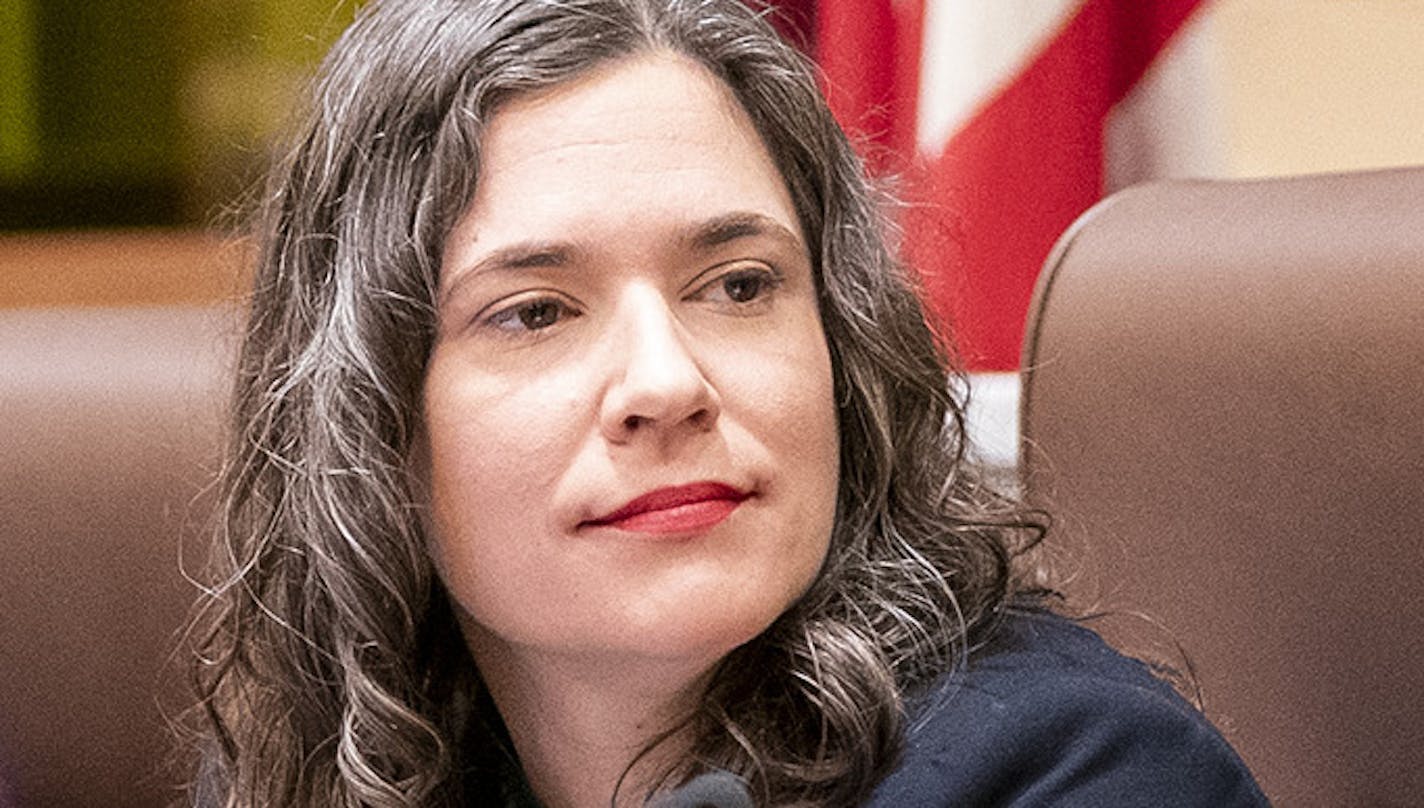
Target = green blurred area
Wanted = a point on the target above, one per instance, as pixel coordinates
(146, 112)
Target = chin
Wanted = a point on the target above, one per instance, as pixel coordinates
(703, 629)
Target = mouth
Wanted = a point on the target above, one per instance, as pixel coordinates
(678, 509)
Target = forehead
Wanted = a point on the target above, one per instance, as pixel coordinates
(652, 98)
(649, 138)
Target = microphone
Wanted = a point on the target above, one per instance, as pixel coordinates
(719, 789)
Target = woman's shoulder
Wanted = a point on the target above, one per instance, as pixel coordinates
(1049, 714)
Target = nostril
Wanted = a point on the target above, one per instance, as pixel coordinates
(701, 419)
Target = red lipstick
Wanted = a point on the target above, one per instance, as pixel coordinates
(678, 509)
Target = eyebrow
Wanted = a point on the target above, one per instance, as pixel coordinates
(523, 255)
(526, 255)
(733, 226)
(701, 237)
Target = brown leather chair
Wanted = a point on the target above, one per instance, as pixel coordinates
(1223, 404)
(108, 437)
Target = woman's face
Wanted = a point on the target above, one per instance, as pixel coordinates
(631, 432)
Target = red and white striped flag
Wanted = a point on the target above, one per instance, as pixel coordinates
(997, 114)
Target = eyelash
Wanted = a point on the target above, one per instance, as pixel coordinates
(511, 320)
(770, 278)
(522, 317)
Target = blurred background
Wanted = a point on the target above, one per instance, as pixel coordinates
(130, 133)
(135, 113)
(131, 129)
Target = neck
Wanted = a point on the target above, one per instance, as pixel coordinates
(579, 723)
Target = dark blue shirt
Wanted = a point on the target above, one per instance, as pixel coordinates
(1048, 714)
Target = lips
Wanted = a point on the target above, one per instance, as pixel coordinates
(679, 509)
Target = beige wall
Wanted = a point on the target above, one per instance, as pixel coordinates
(1321, 85)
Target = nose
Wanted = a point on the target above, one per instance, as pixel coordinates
(656, 389)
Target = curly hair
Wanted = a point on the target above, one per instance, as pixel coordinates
(328, 665)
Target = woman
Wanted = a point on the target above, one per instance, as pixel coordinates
(589, 439)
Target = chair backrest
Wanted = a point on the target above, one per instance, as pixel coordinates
(1223, 405)
(108, 436)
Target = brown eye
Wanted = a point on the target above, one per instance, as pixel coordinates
(529, 316)
(741, 288)
(744, 287)
(540, 314)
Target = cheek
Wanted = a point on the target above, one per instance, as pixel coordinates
(794, 394)
(820, 445)
(486, 432)
(789, 404)
(493, 459)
